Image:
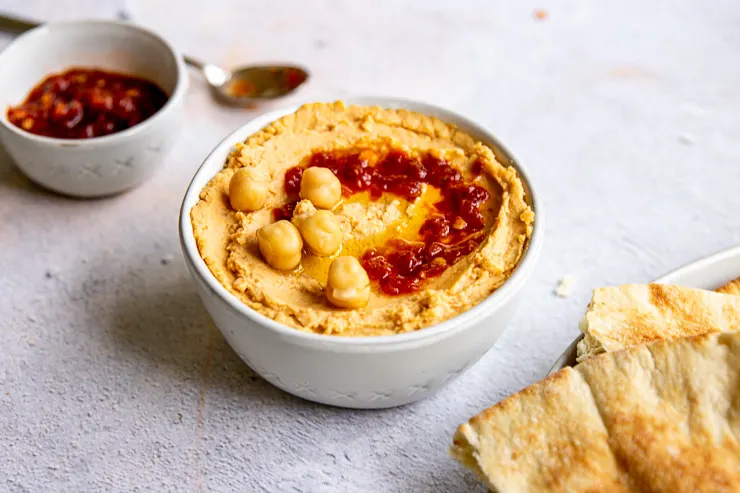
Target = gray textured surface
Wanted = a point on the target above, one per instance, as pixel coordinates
(112, 378)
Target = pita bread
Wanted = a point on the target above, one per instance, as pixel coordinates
(662, 417)
(732, 287)
(548, 437)
(624, 316)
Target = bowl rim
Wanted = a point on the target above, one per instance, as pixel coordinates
(490, 304)
(178, 92)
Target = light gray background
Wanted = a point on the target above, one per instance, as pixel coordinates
(112, 377)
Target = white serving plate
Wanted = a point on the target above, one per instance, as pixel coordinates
(707, 273)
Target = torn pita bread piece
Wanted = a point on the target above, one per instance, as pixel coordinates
(624, 316)
(732, 287)
(662, 417)
(548, 437)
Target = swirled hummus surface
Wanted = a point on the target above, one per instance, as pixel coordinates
(472, 214)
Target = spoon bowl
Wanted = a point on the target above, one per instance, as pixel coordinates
(249, 85)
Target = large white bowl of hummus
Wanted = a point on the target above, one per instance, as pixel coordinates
(447, 255)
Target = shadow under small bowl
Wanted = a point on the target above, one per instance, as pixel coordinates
(365, 372)
(102, 165)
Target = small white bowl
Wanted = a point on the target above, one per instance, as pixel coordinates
(101, 165)
(366, 372)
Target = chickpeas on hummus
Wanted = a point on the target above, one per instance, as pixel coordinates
(362, 221)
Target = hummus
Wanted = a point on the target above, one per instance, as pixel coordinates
(227, 239)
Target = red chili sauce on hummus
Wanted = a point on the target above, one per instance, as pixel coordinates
(453, 231)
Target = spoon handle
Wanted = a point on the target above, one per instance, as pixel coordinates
(193, 62)
(15, 24)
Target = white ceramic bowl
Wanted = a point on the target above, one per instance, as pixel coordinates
(102, 165)
(369, 372)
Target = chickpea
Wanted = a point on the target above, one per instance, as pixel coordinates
(347, 285)
(303, 209)
(248, 190)
(321, 187)
(321, 231)
(280, 245)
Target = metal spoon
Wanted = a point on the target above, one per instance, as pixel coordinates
(244, 86)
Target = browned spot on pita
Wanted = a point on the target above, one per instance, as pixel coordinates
(732, 287)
